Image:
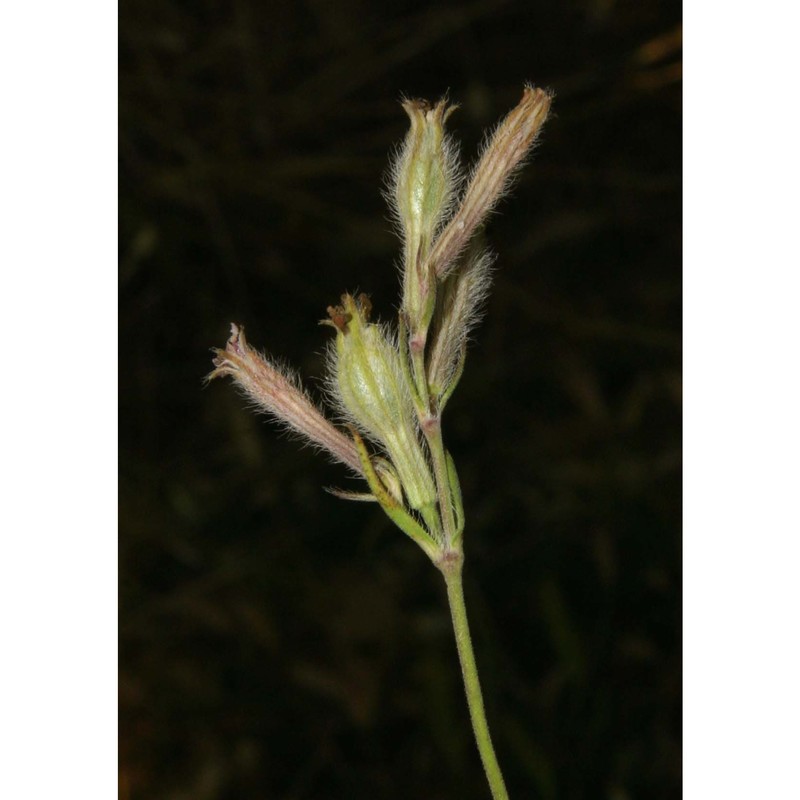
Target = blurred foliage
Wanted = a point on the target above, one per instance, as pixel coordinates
(279, 643)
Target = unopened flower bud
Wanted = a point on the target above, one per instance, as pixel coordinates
(425, 179)
(278, 392)
(503, 154)
(458, 311)
(367, 380)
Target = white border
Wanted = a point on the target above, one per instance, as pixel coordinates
(741, 604)
(58, 321)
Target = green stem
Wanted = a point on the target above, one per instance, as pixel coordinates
(451, 569)
(420, 380)
(433, 435)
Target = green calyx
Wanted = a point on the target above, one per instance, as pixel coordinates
(370, 385)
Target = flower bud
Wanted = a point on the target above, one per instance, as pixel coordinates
(502, 156)
(458, 311)
(425, 180)
(367, 380)
(279, 392)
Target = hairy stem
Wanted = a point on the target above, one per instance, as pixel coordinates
(451, 569)
(432, 428)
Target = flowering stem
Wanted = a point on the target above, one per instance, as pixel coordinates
(432, 428)
(451, 566)
(451, 563)
(421, 383)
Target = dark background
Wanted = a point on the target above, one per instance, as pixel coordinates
(279, 643)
